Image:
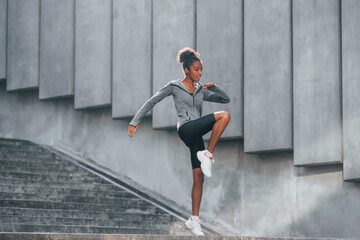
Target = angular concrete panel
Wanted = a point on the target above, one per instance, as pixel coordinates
(93, 53)
(351, 88)
(222, 56)
(267, 76)
(173, 29)
(317, 87)
(57, 40)
(23, 44)
(131, 54)
(3, 25)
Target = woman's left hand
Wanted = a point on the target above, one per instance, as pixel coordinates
(206, 85)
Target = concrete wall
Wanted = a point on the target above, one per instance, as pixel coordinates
(23, 44)
(3, 25)
(268, 75)
(317, 82)
(260, 194)
(57, 39)
(214, 20)
(93, 53)
(351, 87)
(252, 194)
(131, 56)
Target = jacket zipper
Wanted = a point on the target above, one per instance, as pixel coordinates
(193, 95)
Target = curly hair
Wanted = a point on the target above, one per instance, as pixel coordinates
(187, 56)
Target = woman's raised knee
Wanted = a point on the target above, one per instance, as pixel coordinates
(225, 116)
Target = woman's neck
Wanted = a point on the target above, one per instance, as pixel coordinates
(189, 84)
(188, 81)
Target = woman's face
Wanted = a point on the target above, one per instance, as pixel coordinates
(195, 71)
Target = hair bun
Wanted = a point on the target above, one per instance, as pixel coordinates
(186, 54)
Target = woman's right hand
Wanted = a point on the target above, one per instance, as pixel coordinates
(132, 130)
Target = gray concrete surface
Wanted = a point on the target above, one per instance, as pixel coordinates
(251, 194)
(173, 29)
(57, 40)
(351, 88)
(23, 44)
(3, 25)
(49, 236)
(267, 76)
(219, 42)
(258, 194)
(67, 196)
(317, 87)
(132, 51)
(93, 53)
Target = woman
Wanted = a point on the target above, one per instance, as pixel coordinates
(188, 97)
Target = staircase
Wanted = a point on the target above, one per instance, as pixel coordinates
(44, 196)
(42, 192)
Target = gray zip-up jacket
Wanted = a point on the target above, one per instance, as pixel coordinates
(188, 106)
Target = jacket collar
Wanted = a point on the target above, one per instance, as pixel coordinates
(182, 86)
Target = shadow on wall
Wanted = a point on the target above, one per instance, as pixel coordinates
(316, 170)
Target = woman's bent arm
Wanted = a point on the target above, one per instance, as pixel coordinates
(216, 94)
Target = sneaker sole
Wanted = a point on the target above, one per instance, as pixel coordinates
(186, 223)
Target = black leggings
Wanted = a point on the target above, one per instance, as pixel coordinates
(191, 133)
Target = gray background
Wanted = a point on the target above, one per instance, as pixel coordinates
(131, 56)
(290, 68)
(317, 88)
(23, 44)
(3, 19)
(351, 87)
(57, 49)
(267, 85)
(93, 53)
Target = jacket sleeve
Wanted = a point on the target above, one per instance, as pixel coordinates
(149, 104)
(216, 94)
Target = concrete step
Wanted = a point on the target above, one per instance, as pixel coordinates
(64, 166)
(122, 207)
(22, 148)
(14, 142)
(61, 170)
(27, 220)
(83, 185)
(77, 229)
(52, 172)
(73, 199)
(53, 177)
(31, 159)
(55, 213)
(120, 193)
(56, 236)
(23, 153)
(85, 214)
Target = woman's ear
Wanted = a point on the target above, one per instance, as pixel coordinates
(186, 71)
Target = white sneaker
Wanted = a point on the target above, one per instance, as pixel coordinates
(206, 160)
(195, 226)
